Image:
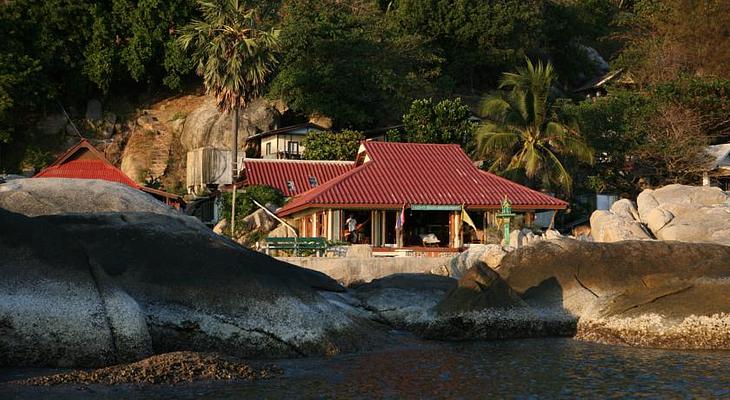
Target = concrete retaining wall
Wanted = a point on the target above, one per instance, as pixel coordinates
(348, 270)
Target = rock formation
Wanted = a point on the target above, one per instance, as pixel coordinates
(640, 293)
(45, 196)
(206, 126)
(100, 286)
(673, 212)
(687, 213)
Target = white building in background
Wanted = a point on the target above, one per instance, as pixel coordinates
(282, 143)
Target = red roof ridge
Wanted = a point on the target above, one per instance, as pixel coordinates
(300, 199)
(418, 173)
(277, 160)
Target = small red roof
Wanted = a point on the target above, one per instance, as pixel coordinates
(84, 161)
(87, 169)
(389, 175)
(303, 174)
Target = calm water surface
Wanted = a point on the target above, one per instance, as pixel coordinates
(534, 368)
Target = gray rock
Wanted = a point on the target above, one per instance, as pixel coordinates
(609, 227)
(687, 213)
(208, 127)
(657, 218)
(480, 288)
(404, 300)
(93, 110)
(54, 308)
(44, 196)
(639, 293)
(491, 254)
(625, 208)
(167, 283)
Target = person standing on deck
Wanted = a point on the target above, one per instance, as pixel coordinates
(352, 228)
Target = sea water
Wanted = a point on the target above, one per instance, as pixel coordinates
(521, 369)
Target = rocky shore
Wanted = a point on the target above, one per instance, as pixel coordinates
(105, 287)
(168, 369)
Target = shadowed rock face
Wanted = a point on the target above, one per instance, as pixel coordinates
(642, 293)
(94, 289)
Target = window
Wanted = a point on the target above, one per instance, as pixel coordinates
(292, 147)
(268, 148)
(313, 181)
(291, 187)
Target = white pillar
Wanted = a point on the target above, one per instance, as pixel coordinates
(705, 179)
(314, 224)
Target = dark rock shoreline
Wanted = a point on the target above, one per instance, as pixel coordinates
(104, 288)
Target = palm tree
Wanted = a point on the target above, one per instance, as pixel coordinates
(523, 130)
(233, 57)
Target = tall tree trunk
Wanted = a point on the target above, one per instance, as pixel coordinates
(235, 171)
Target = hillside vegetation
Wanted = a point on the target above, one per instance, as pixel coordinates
(363, 63)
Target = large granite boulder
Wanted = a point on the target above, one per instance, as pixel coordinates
(57, 307)
(640, 293)
(480, 288)
(404, 300)
(686, 213)
(45, 196)
(490, 254)
(94, 289)
(607, 226)
(206, 126)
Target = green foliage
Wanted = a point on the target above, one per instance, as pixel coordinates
(478, 38)
(36, 158)
(524, 131)
(656, 135)
(234, 57)
(568, 26)
(344, 60)
(709, 97)
(614, 126)
(265, 195)
(328, 145)
(444, 122)
(665, 39)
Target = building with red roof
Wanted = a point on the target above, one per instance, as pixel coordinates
(84, 161)
(428, 184)
(292, 177)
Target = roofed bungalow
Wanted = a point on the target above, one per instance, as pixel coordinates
(419, 187)
(282, 143)
(292, 177)
(84, 161)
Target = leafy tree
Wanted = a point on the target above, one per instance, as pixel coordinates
(231, 54)
(233, 57)
(656, 136)
(614, 126)
(524, 131)
(344, 61)
(447, 121)
(668, 38)
(478, 38)
(328, 145)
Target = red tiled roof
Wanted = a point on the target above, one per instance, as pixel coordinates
(276, 173)
(87, 169)
(84, 161)
(412, 173)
